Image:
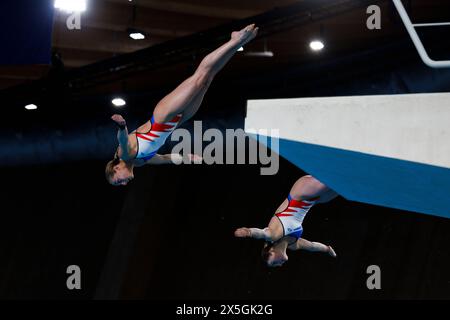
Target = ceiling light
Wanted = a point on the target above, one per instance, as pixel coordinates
(137, 35)
(118, 102)
(266, 54)
(31, 107)
(316, 45)
(71, 5)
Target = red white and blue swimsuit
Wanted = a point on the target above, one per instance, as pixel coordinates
(150, 142)
(292, 217)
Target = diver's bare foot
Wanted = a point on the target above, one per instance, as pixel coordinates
(118, 119)
(243, 233)
(245, 35)
(331, 252)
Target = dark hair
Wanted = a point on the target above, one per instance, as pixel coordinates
(265, 252)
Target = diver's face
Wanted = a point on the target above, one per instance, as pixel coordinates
(276, 258)
(122, 175)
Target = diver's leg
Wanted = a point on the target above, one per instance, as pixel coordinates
(188, 96)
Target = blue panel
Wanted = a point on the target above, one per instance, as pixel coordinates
(26, 31)
(373, 179)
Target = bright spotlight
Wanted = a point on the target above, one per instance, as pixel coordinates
(316, 45)
(118, 102)
(241, 49)
(137, 36)
(31, 107)
(71, 5)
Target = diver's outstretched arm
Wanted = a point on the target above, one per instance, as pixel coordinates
(122, 137)
(303, 244)
(255, 233)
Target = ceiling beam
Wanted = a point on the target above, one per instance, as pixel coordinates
(275, 21)
(109, 24)
(121, 13)
(23, 72)
(101, 40)
(7, 83)
(193, 9)
(78, 57)
(182, 49)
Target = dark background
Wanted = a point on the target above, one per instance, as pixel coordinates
(19, 20)
(169, 234)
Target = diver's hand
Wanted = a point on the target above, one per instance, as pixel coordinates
(243, 233)
(245, 35)
(331, 252)
(119, 120)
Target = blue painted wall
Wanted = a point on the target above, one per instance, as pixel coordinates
(26, 31)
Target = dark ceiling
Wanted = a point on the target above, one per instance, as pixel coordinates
(179, 32)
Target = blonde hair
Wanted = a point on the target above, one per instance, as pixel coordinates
(109, 170)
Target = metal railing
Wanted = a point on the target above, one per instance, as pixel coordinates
(411, 27)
